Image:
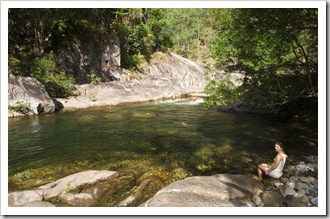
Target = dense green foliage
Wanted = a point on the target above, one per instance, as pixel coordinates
(277, 50)
(37, 36)
(192, 31)
(145, 31)
(223, 91)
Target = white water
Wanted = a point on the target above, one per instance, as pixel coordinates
(181, 101)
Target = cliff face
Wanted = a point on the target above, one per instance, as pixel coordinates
(90, 55)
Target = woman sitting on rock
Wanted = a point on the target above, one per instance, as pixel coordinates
(274, 170)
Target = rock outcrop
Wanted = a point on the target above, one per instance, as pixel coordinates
(190, 76)
(27, 96)
(167, 76)
(89, 54)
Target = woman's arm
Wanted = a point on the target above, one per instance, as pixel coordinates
(276, 163)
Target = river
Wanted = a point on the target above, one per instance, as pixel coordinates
(170, 139)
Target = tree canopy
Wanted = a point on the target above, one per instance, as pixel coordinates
(275, 48)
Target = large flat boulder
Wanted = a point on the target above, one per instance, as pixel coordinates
(221, 190)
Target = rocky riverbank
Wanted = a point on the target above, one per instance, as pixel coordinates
(298, 187)
(167, 76)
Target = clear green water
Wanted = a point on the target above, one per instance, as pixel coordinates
(171, 140)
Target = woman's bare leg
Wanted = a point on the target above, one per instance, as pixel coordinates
(261, 169)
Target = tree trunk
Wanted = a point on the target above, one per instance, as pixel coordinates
(304, 63)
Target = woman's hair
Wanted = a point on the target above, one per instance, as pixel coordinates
(279, 144)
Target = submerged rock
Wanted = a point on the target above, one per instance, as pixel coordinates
(148, 186)
(144, 115)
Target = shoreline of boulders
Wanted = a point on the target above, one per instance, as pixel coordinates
(298, 187)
